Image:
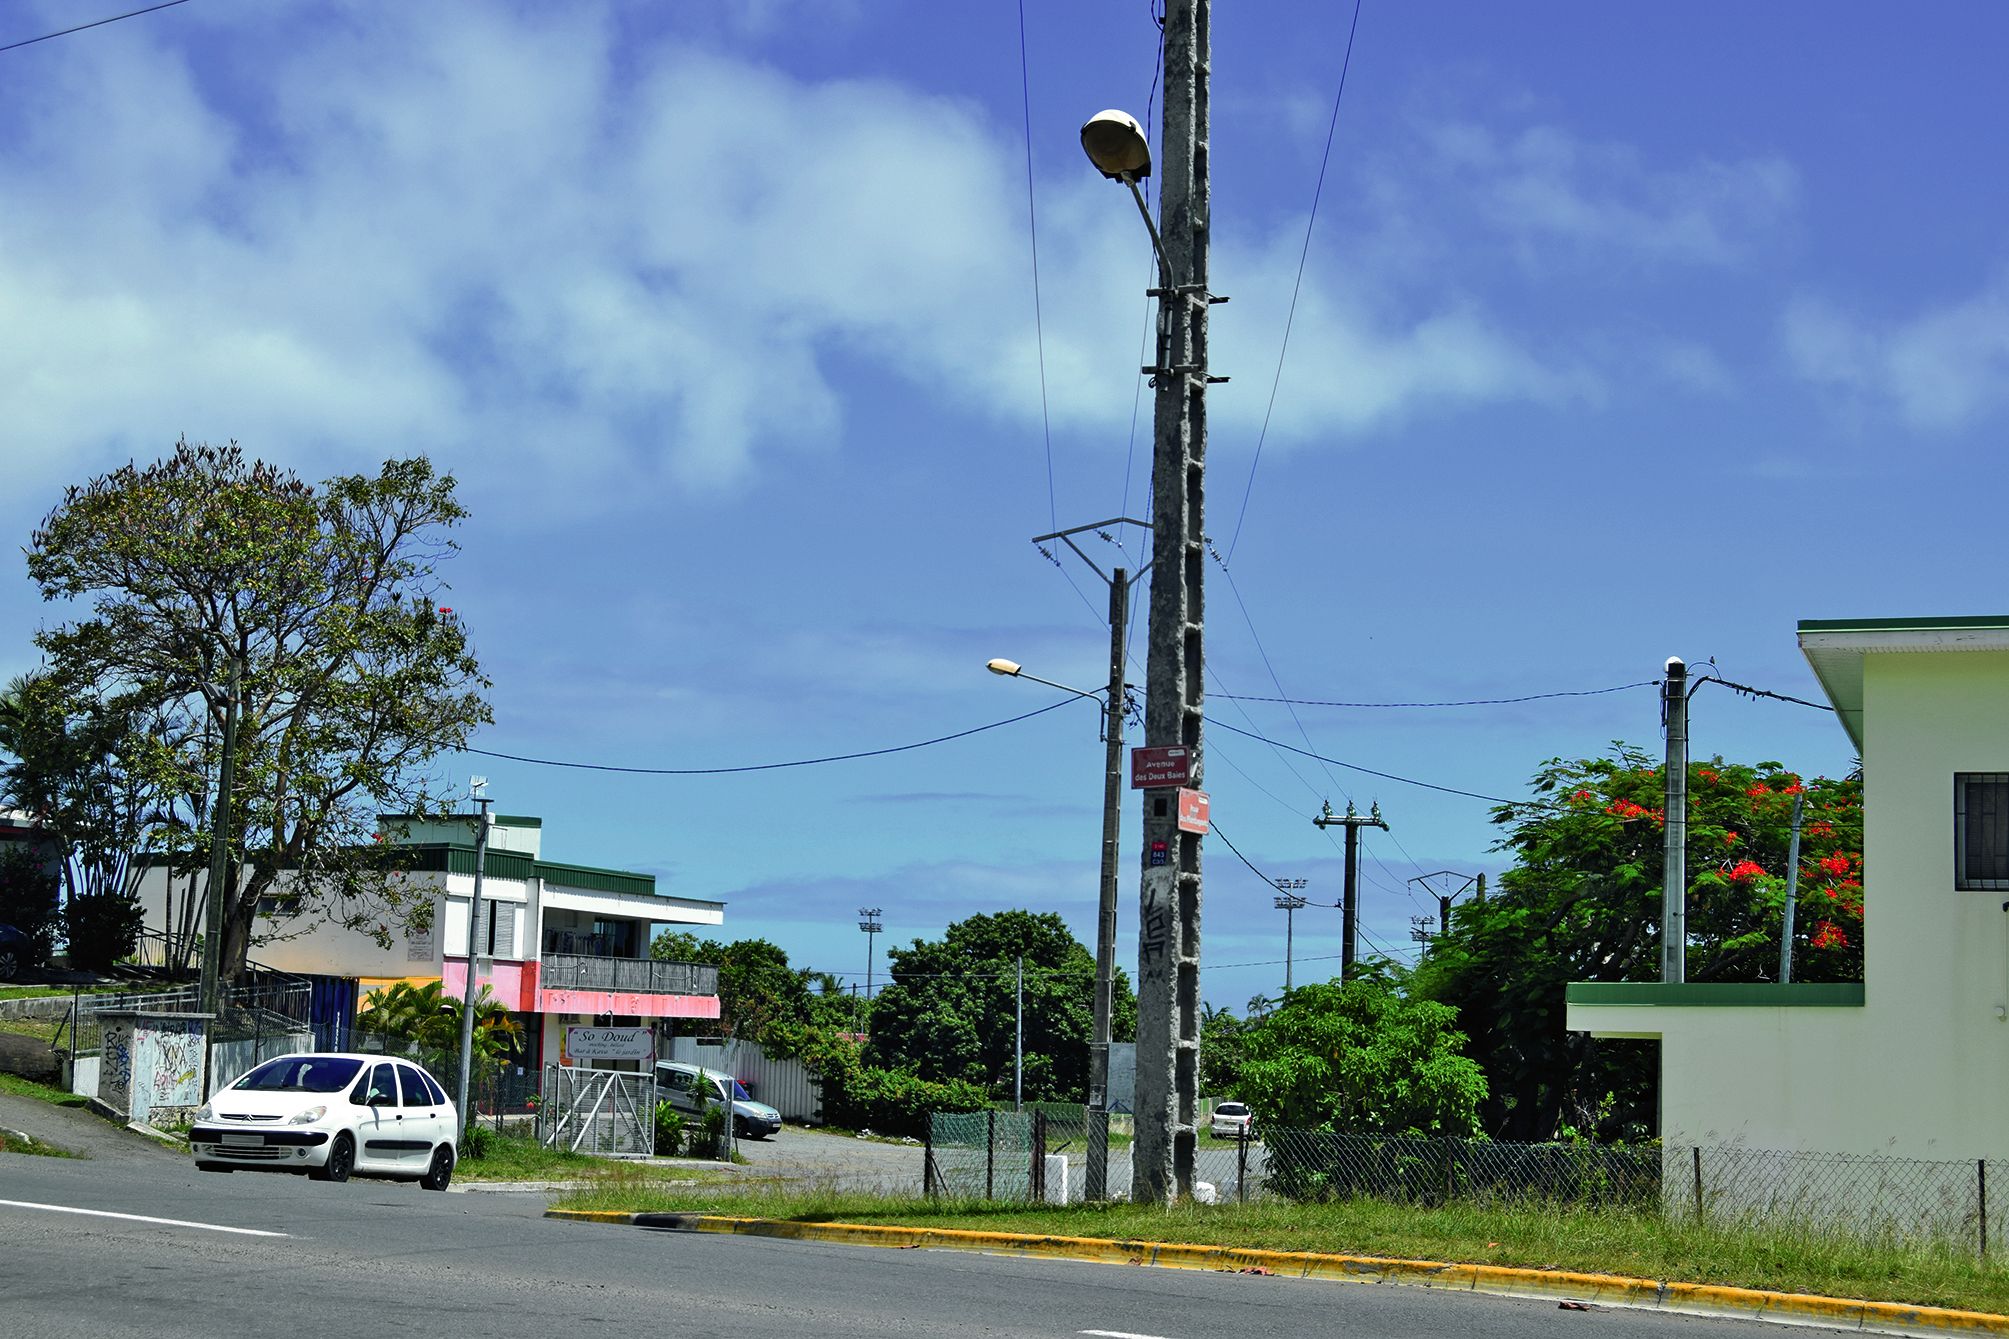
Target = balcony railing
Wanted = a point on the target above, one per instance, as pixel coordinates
(632, 976)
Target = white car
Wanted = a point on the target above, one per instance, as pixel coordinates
(1232, 1120)
(331, 1115)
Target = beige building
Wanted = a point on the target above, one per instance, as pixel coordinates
(1914, 1062)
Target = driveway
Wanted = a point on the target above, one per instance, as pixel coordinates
(79, 1131)
(839, 1161)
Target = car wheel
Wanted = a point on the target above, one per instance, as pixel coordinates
(10, 963)
(341, 1160)
(441, 1170)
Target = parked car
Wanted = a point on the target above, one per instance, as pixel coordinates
(688, 1087)
(17, 950)
(331, 1116)
(1232, 1120)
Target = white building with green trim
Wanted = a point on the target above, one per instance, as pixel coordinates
(1914, 1061)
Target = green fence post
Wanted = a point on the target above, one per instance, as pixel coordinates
(1697, 1151)
(990, 1153)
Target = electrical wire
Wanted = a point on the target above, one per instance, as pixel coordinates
(99, 23)
(1468, 702)
(1290, 318)
(1032, 224)
(771, 766)
(1356, 767)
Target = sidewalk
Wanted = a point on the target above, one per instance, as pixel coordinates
(1574, 1291)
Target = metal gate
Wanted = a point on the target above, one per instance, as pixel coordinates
(602, 1112)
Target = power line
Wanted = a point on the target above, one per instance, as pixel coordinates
(1467, 702)
(99, 23)
(1032, 224)
(1298, 283)
(770, 766)
(1356, 767)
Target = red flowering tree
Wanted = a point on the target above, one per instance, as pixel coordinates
(1583, 903)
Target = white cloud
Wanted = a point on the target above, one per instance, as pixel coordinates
(1941, 370)
(609, 265)
(1568, 200)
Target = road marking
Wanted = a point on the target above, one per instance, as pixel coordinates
(1122, 1334)
(141, 1218)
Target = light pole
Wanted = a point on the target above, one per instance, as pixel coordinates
(1168, 939)
(478, 789)
(1289, 902)
(1096, 1181)
(869, 923)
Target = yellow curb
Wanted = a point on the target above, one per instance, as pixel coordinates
(1602, 1289)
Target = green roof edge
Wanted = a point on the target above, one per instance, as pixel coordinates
(1903, 624)
(1719, 994)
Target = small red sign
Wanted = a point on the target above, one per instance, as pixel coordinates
(1151, 769)
(1193, 811)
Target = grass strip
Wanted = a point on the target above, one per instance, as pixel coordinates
(1639, 1244)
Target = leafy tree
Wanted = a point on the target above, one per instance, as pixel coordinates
(1583, 903)
(424, 1021)
(91, 771)
(948, 1012)
(353, 677)
(1223, 1045)
(1360, 1058)
(761, 998)
(28, 900)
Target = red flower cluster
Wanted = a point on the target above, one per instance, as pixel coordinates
(1745, 869)
(1626, 809)
(1730, 838)
(1712, 777)
(1837, 864)
(1829, 935)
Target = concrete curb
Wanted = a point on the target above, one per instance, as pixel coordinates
(1596, 1289)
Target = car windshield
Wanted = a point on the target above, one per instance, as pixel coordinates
(301, 1074)
(1231, 1109)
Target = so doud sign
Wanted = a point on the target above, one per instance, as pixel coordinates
(609, 1043)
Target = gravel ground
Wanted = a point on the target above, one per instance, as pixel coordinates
(841, 1161)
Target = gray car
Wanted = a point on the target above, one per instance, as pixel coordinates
(689, 1087)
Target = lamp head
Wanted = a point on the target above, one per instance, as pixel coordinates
(1005, 667)
(1117, 145)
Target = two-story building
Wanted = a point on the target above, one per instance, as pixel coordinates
(1913, 1062)
(556, 943)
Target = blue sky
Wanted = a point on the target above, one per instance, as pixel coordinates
(1624, 332)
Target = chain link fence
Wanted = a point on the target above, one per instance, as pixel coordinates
(1043, 1154)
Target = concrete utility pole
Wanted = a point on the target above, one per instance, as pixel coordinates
(1168, 933)
(1168, 954)
(1792, 891)
(466, 1091)
(1674, 865)
(220, 880)
(1350, 896)
(1096, 1173)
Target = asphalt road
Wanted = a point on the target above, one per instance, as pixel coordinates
(261, 1254)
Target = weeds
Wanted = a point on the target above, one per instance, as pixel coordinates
(1641, 1243)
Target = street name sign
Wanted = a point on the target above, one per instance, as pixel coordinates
(1156, 768)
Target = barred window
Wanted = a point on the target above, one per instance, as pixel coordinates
(1981, 830)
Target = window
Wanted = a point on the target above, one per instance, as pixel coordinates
(1981, 830)
(380, 1089)
(416, 1093)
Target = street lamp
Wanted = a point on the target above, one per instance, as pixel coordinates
(1290, 902)
(869, 923)
(1097, 1179)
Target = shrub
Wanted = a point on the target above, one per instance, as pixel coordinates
(28, 900)
(101, 928)
(670, 1130)
(477, 1142)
